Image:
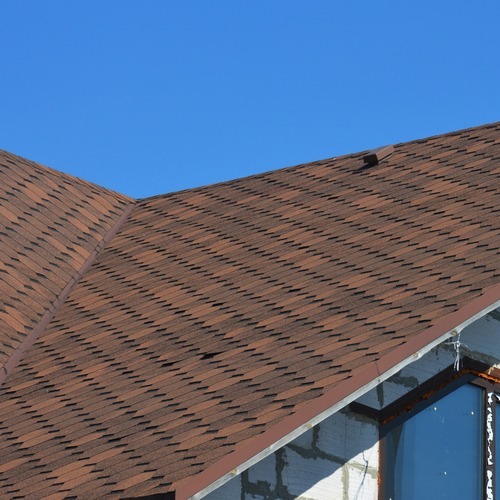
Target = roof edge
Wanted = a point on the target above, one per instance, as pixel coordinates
(347, 391)
(334, 158)
(33, 335)
(67, 176)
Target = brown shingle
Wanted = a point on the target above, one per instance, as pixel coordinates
(49, 229)
(219, 318)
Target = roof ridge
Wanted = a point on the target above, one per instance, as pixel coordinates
(64, 175)
(449, 134)
(38, 329)
(219, 323)
(318, 161)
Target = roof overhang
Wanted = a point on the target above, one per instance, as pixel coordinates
(256, 449)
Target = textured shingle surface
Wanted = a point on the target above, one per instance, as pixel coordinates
(50, 223)
(216, 312)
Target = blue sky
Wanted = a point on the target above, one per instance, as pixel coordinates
(153, 96)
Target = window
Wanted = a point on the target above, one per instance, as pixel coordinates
(438, 452)
(444, 446)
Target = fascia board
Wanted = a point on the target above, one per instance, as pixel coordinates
(347, 391)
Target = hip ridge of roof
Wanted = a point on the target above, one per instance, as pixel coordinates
(33, 335)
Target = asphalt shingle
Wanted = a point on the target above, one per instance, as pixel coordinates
(216, 313)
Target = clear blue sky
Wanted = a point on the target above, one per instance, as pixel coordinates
(153, 96)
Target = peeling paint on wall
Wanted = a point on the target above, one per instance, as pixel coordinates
(489, 445)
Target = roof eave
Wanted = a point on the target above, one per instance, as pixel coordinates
(346, 392)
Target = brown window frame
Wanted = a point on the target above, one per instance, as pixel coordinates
(426, 394)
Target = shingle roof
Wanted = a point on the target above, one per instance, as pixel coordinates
(50, 225)
(219, 318)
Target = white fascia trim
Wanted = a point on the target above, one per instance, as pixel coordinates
(341, 404)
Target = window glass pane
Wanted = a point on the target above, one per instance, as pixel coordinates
(438, 452)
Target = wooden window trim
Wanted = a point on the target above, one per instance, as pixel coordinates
(472, 372)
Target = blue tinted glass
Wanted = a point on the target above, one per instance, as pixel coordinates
(438, 452)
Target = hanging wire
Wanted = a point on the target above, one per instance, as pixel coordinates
(457, 345)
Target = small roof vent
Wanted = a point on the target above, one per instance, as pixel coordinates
(377, 155)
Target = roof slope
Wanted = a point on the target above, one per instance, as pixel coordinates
(217, 315)
(50, 224)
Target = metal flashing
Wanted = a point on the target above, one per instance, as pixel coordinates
(251, 310)
(345, 393)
